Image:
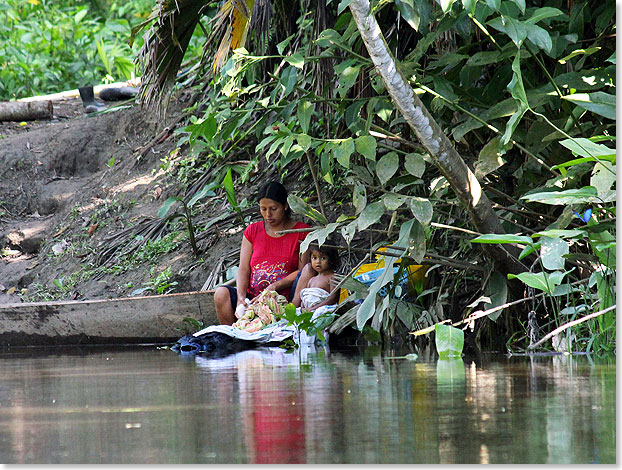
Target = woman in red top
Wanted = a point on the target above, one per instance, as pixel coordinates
(267, 260)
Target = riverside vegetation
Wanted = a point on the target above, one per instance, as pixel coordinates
(475, 137)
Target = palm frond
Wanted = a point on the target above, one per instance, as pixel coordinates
(234, 17)
(172, 24)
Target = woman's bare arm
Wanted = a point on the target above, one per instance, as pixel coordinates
(244, 270)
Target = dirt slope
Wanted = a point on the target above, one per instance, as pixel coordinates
(68, 185)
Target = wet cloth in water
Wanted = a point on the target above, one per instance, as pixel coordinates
(311, 296)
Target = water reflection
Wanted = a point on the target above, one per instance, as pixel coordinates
(269, 406)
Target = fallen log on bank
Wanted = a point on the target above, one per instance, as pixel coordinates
(149, 319)
(25, 111)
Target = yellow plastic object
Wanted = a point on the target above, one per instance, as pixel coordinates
(415, 273)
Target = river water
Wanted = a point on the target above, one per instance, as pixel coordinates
(149, 405)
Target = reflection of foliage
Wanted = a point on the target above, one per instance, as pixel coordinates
(525, 93)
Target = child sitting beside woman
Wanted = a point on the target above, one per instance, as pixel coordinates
(317, 279)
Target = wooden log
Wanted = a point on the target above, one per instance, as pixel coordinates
(25, 111)
(150, 319)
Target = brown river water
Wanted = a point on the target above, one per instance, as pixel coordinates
(148, 405)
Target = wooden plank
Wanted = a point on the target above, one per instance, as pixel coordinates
(150, 319)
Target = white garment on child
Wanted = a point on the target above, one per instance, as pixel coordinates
(311, 296)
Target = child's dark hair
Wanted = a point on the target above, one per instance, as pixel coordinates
(331, 253)
(275, 191)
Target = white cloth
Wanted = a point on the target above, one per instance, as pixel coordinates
(278, 331)
(311, 296)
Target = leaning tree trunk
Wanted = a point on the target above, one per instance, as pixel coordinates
(447, 159)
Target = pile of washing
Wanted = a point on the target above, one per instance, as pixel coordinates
(258, 324)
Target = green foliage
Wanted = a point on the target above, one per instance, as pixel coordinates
(449, 341)
(525, 92)
(49, 46)
(304, 321)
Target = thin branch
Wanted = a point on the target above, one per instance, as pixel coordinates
(565, 326)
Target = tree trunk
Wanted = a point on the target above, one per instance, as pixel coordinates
(25, 111)
(450, 163)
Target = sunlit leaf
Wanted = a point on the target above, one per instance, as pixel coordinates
(599, 102)
(421, 209)
(552, 251)
(366, 146)
(543, 13)
(495, 238)
(297, 60)
(166, 206)
(343, 150)
(449, 341)
(301, 207)
(370, 215)
(393, 201)
(587, 148)
(564, 198)
(359, 197)
(387, 166)
(304, 112)
(414, 164)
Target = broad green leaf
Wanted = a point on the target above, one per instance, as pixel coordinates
(446, 5)
(489, 158)
(393, 201)
(414, 164)
(359, 197)
(541, 281)
(484, 58)
(288, 79)
(352, 113)
(449, 341)
(280, 47)
(510, 26)
(563, 198)
(343, 4)
(297, 60)
(577, 52)
(603, 178)
(208, 190)
(167, 205)
(227, 183)
(343, 150)
(370, 215)
(320, 235)
(81, 14)
(348, 231)
(301, 207)
(469, 5)
(552, 251)
(387, 166)
(494, 4)
(421, 209)
(612, 58)
(305, 110)
(347, 72)
(516, 86)
(495, 238)
(539, 36)
(587, 148)
(558, 233)
(409, 13)
(366, 146)
(520, 4)
(599, 102)
(416, 248)
(304, 141)
(497, 291)
(543, 13)
(328, 37)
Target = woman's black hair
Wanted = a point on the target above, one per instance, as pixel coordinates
(334, 262)
(275, 191)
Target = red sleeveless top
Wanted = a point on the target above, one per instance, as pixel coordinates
(273, 258)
